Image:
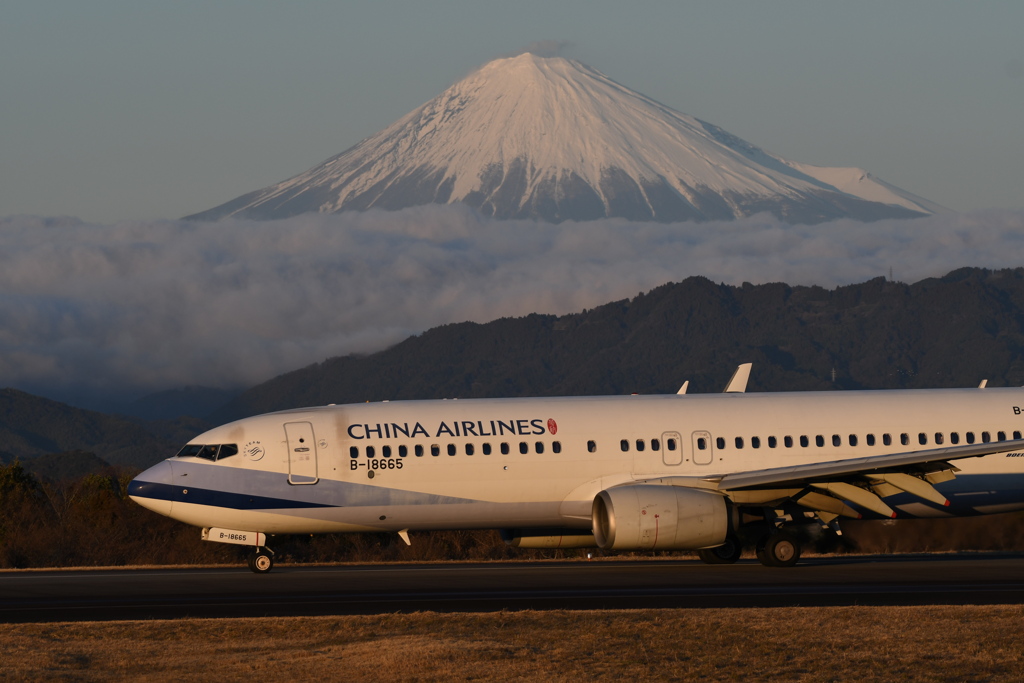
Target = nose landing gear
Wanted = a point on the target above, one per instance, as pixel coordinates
(261, 560)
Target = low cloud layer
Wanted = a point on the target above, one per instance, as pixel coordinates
(130, 308)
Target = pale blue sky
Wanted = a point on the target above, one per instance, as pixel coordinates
(114, 110)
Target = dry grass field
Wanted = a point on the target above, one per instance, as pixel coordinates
(791, 644)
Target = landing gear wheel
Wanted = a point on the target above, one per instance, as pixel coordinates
(727, 553)
(778, 550)
(261, 561)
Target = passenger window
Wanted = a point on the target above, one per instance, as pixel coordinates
(922, 438)
(870, 439)
(624, 445)
(504, 448)
(452, 450)
(853, 440)
(591, 447)
(229, 449)
(1016, 435)
(469, 449)
(403, 451)
(418, 450)
(772, 442)
(819, 441)
(640, 444)
(739, 442)
(189, 451)
(887, 439)
(970, 437)
(938, 438)
(385, 451)
(702, 443)
(524, 447)
(370, 452)
(954, 437)
(755, 442)
(670, 444)
(985, 438)
(720, 443)
(435, 450)
(1000, 436)
(353, 452)
(539, 447)
(804, 443)
(837, 440)
(487, 449)
(655, 445)
(787, 441)
(556, 446)
(905, 439)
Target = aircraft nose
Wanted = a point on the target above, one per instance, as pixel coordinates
(152, 489)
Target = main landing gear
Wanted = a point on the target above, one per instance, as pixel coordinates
(727, 553)
(778, 549)
(261, 560)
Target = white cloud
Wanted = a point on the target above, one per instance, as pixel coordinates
(136, 307)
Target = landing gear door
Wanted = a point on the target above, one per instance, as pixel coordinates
(703, 448)
(301, 453)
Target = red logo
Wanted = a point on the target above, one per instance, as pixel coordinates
(552, 426)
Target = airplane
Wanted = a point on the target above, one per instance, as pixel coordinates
(714, 473)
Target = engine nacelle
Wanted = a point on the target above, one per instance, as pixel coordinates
(659, 517)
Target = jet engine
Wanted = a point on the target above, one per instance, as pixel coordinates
(659, 517)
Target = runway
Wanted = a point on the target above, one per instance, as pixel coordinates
(30, 596)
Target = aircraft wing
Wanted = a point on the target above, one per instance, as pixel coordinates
(824, 471)
(826, 486)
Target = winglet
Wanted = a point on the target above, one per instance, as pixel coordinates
(738, 382)
(682, 389)
(984, 383)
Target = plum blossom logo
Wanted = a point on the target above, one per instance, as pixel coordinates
(552, 426)
(254, 450)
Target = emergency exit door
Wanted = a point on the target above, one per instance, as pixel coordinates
(301, 453)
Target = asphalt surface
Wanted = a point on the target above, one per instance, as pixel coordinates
(38, 596)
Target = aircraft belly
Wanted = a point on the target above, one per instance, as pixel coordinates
(477, 515)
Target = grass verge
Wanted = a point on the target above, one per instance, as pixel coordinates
(960, 643)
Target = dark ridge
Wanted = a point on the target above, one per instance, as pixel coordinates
(941, 332)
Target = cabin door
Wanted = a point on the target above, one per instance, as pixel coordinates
(301, 453)
(671, 449)
(703, 448)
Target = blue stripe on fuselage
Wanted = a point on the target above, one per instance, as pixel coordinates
(223, 499)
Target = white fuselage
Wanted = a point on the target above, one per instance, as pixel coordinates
(540, 462)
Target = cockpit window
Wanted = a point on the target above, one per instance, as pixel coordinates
(189, 450)
(211, 452)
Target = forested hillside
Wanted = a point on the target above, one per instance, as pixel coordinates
(943, 332)
(32, 426)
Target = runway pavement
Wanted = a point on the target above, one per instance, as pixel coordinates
(607, 584)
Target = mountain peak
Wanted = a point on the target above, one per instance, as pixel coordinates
(551, 138)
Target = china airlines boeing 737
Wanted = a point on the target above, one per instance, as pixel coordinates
(711, 472)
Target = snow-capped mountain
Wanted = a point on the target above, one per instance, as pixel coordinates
(553, 139)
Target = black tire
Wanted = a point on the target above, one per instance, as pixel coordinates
(778, 550)
(261, 561)
(727, 553)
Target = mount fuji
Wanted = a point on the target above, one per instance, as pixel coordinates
(552, 139)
